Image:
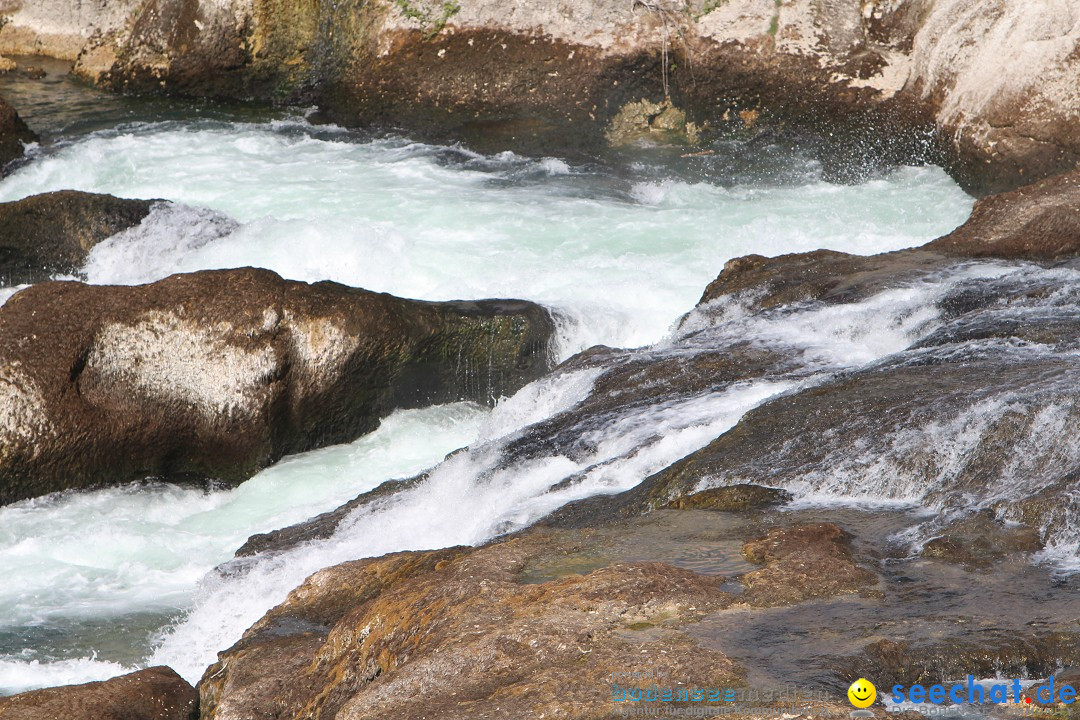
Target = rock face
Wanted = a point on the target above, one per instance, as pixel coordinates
(217, 374)
(1002, 78)
(157, 693)
(13, 133)
(453, 634)
(43, 235)
(997, 80)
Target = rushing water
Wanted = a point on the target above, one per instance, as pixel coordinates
(619, 249)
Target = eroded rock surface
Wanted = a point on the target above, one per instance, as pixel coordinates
(453, 633)
(214, 375)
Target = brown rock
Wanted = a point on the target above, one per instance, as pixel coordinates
(732, 498)
(980, 539)
(217, 374)
(1005, 652)
(156, 693)
(875, 81)
(453, 635)
(13, 134)
(1037, 222)
(824, 275)
(43, 235)
(801, 563)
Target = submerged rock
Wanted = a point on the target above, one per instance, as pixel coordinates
(801, 563)
(980, 539)
(52, 233)
(1005, 653)
(156, 693)
(216, 374)
(13, 134)
(453, 634)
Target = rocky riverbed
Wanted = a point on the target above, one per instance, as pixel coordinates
(767, 412)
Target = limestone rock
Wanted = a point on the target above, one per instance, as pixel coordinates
(873, 78)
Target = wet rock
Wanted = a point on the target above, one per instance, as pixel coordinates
(762, 283)
(999, 653)
(646, 121)
(801, 563)
(453, 634)
(214, 375)
(13, 134)
(732, 498)
(980, 539)
(934, 426)
(43, 235)
(321, 526)
(157, 693)
(1037, 222)
(874, 80)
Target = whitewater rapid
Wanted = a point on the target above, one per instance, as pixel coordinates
(618, 253)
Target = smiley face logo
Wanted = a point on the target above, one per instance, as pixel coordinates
(862, 693)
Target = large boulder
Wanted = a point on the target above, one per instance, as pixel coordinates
(217, 374)
(1002, 80)
(156, 693)
(456, 634)
(43, 235)
(13, 134)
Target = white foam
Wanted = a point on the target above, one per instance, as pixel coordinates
(468, 499)
(22, 675)
(110, 553)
